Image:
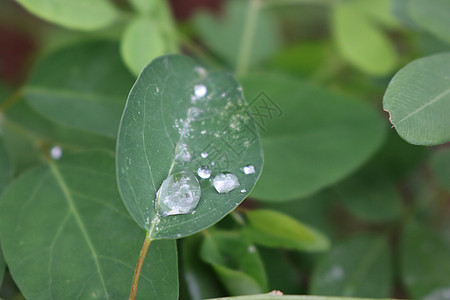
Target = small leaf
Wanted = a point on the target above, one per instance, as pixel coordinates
(319, 138)
(360, 41)
(440, 165)
(223, 34)
(425, 262)
(66, 235)
(75, 14)
(2, 267)
(418, 100)
(181, 117)
(142, 41)
(432, 15)
(85, 89)
(359, 267)
(236, 261)
(273, 229)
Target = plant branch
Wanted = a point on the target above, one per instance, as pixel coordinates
(248, 37)
(140, 263)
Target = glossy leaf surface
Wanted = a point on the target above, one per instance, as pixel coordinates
(418, 103)
(66, 235)
(176, 111)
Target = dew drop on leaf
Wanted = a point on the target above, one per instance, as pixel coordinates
(200, 91)
(204, 172)
(225, 182)
(56, 152)
(179, 194)
(204, 154)
(249, 169)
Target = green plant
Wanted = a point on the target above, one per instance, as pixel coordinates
(279, 104)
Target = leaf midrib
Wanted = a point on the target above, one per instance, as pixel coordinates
(438, 97)
(67, 195)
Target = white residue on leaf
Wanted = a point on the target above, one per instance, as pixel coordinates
(183, 154)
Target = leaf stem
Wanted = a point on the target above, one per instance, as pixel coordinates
(140, 263)
(247, 37)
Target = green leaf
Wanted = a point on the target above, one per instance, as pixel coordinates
(282, 272)
(418, 100)
(144, 6)
(433, 16)
(6, 167)
(425, 263)
(66, 235)
(440, 165)
(26, 133)
(176, 111)
(319, 139)
(380, 11)
(74, 14)
(224, 34)
(142, 41)
(196, 273)
(84, 86)
(360, 42)
(273, 229)
(359, 267)
(274, 296)
(371, 196)
(2, 267)
(236, 261)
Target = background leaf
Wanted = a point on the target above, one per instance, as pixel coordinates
(223, 34)
(236, 262)
(75, 14)
(176, 111)
(319, 139)
(440, 165)
(273, 229)
(359, 40)
(432, 15)
(65, 234)
(359, 267)
(272, 296)
(197, 274)
(424, 262)
(418, 103)
(6, 166)
(142, 41)
(84, 86)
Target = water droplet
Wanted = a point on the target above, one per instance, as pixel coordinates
(243, 191)
(249, 169)
(179, 194)
(203, 131)
(204, 172)
(225, 182)
(200, 90)
(56, 152)
(251, 249)
(204, 154)
(182, 153)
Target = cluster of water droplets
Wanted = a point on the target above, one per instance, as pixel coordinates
(180, 192)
